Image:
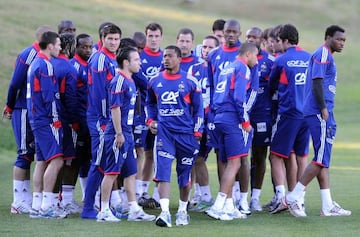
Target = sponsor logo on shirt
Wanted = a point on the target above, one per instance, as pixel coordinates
(297, 63)
(171, 112)
(300, 78)
(169, 97)
(220, 87)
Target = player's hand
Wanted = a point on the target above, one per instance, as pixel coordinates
(6, 113)
(198, 136)
(247, 127)
(119, 140)
(324, 114)
(153, 127)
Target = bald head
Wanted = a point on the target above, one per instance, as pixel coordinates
(140, 39)
(232, 33)
(232, 24)
(41, 30)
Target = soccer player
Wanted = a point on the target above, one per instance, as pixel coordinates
(16, 110)
(232, 126)
(119, 143)
(260, 119)
(185, 41)
(290, 133)
(140, 40)
(268, 41)
(102, 68)
(200, 172)
(83, 52)
(151, 63)
(66, 78)
(175, 114)
(320, 90)
(43, 104)
(219, 58)
(99, 44)
(217, 31)
(67, 26)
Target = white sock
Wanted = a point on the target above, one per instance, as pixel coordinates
(97, 198)
(37, 200)
(302, 198)
(133, 206)
(145, 186)
(326, 199)
(182, 206)
(205, 193)
(197, 191)
(123, 196)
(220, 200)
(47, 200)
(280, 191)
(156, 194)
(243, 196)
(27, 191)
(67, 194)
(104, 206)
(138, 188)
(296, 193)
(83, 182)
(55, 199)
(236, 191)
(255, 194)
(164, 204)
(229, 204)
(17, 191)
(115, 198)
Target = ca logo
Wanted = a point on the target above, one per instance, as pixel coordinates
(220, 87)
(169, 97)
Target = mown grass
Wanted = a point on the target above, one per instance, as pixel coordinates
(20, 18)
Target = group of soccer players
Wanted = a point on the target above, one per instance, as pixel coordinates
(115, 114)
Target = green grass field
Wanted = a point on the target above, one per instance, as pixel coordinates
(20, 18)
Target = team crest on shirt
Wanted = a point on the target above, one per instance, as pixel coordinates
(263, 67)
(181, 86)
(159, 143)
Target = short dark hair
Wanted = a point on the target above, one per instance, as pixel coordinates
(124, 54)
(217, 42)
(126, 43)
(274, 33)
(153, 27)
(266, 33)
(176, 49)
(290, 33)
(247, 47)
(331, 30)
(48, 37)
(102, 26)
(218, 24)
(185, 31)
(80, 37)
(111, 29)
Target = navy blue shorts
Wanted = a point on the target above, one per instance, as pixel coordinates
(24, 138)
(290, 135)
(170, 146)
(48, 143)
(323, 135)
